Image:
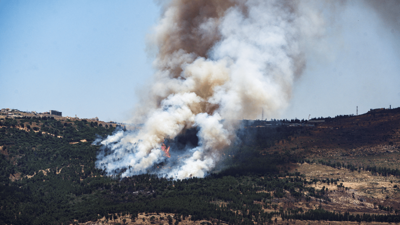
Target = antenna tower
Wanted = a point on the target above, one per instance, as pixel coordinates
(262, 113)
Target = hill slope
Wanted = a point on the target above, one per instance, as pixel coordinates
(346, 164)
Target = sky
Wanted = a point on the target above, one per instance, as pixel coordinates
(356, 63)
(84, 58)
(89, 58)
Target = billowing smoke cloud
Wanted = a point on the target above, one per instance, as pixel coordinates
(388, 10)
(217, 62)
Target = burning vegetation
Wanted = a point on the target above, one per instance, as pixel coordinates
(279, 173)
(217, 62)
(193, 160)
(165, 150)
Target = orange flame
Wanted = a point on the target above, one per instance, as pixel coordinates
(165, 150)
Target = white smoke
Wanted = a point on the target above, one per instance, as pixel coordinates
(252, 54)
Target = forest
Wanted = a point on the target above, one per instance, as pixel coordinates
(47, 176)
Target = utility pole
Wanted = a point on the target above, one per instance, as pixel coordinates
(356, 110)
(262, 113)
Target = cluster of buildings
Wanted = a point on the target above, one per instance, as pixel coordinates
(17, 113)
(6, 112)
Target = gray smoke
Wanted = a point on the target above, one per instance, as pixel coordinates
(217, 62)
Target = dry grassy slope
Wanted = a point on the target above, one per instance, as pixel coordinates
(369, 139)
(147, 219)
(363, 192)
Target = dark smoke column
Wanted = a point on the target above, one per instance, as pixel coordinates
(217, 63)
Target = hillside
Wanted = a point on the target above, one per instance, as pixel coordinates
(342, 169)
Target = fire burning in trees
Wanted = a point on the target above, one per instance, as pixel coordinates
(217, 62)
(165, 150)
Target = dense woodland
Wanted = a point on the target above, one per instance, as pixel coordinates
(50, 178)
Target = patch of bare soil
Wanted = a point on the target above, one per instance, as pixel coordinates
(14, 177)
(3, 151)
(308, 222)
(73, 143)
(357, 192)
(18, 176)
(146, 219)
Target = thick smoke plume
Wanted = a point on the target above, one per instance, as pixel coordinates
(217, 62)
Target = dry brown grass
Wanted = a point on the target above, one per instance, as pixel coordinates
(146, 219)
(362, 191)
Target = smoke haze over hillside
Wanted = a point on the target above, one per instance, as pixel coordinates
(355, 63)
(218, 62)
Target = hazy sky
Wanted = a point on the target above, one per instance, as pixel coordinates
(356, 63)
(89, 58)
(78, 57)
